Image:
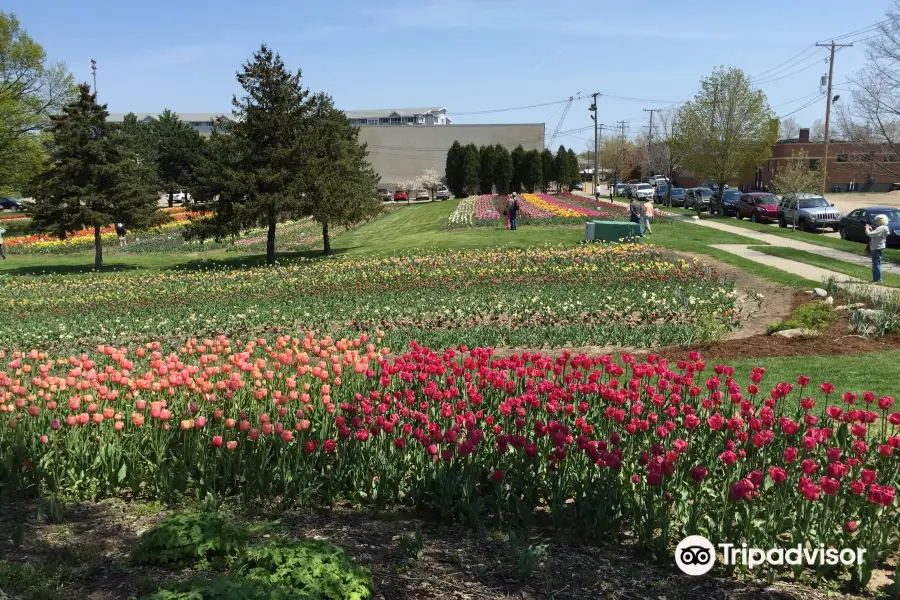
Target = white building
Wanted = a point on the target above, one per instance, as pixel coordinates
(202, 122)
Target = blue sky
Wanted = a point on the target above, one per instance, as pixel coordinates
(467, 55)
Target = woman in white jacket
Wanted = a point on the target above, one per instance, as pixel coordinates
(877, 243)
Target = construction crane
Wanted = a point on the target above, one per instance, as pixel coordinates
(561, 119)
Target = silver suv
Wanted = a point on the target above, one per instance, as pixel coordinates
(808, 212)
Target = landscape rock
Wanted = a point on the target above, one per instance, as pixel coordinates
(795, 333)
(820, 293)
(853, 306)
(829, 300)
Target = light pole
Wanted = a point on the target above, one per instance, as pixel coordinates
(94, 72)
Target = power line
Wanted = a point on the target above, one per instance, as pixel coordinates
(779, 76)
(798, 99)
(808, 104)
(508, 109)
(759, 75)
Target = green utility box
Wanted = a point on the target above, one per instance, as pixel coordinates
(610, 231)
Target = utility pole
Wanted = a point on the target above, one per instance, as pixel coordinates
(94, 71)
(650, 138)
(593, 110)
(828, 101)
(619, 151)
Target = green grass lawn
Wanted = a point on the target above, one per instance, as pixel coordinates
(809, 258)
(415, 228)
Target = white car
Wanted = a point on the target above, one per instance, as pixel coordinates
(443, 194)
(657, 179)
(422, 195)
(642, 191)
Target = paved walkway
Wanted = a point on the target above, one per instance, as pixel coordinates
(783, 242)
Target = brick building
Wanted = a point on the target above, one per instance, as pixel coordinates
(844, 165)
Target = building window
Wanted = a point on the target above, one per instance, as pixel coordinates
(395, 121)
(813, 164)
(384, 121)
(420, 120)
(409, 119)
(843, 157)
(373, 121)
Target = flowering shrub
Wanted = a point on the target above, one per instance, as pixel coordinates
(661, 450)
(625, 294)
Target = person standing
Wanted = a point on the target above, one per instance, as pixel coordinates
(512, 209)
(877, 244)
(2, 255)
(646, 215)
(635, 212)
(120, 231)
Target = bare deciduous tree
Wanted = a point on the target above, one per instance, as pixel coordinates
(667, 153)
(795, 177)
(872, 120)
(788, 128)
(817, 131)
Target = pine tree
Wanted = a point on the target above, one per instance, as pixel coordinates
(503, 169)
(488, 163)
(339, 185)
(518, 173)
(561, 168)
(532, 171)
(175, 148)
(93, 177)
(547, 169)
(453, 171)
(471, 168)
(265, 180)
(573, 172)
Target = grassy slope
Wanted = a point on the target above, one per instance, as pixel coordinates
(858, 271)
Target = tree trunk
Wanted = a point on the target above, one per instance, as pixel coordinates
(721, 210)
(326, 239)
(270, 240)
(171, 198)
(98, 248)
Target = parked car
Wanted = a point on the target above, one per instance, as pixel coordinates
(728, 201)
(181, 197)
(758, 206)
(661, 192)
(9, 203)
(655, 180)
(853, 225)
(642, 191)
(443, 194)
(579, 187)
(398, 195)
(709, 183)
(620, 190)
(809, 212)
(384, 194)
(697, 198)
(677, 197)
(423, 195)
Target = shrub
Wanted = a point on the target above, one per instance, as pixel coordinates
(200, 538)
(315, 569)
(815, 315)
(782, 326)
(223, 588)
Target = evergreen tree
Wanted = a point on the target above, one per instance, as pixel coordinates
(503, 169)
(453, 171)
(547, 169)
(488, 163)
(561, 167)
(340, 183)
(137, 135)
(573, 172)
(532, 171)
(175, 149)
(518, 162)
(268, 152)
(471, 168)
(93, 177)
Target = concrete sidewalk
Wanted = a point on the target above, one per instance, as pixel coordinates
(775, 240)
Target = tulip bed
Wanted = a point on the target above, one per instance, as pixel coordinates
(653, 450)
(626, 295)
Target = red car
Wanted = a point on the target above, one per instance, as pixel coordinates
(758, 206)
(398, 195)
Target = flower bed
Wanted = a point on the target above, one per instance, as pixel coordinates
(627, 294)
(465, 213)
(535, 209)
(655, 449)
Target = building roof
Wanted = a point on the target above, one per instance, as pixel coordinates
(387, 112)
(200, 117)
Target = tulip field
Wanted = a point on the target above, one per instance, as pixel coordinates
(535, 209)
(654, 449)
(627, 295)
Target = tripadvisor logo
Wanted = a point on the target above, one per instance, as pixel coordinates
(696, 555)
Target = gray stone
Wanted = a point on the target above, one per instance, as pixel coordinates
(870, 313)
(795, 333)
(820, 293)
(829, 300)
